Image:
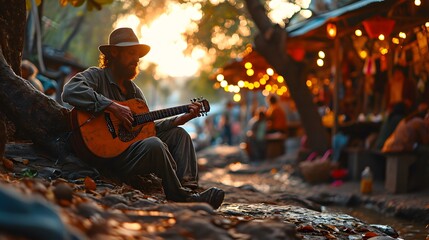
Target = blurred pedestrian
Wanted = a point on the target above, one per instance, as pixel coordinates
(276, 116)
(225, 125)
(400, 88)
(256, 134)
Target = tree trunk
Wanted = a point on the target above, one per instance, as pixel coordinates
(40, 118)
(271, 44)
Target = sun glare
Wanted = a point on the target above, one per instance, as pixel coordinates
(280, 10)
(165, 37)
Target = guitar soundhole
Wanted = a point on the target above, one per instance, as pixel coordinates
(126, 136)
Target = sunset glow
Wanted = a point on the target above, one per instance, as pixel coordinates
(165, 37)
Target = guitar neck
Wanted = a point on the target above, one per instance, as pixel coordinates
(159, 114)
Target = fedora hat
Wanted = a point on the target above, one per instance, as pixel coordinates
(124, 37)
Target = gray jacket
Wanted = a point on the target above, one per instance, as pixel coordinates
(94, 89)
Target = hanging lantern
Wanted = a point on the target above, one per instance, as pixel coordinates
(331, 30)
(377, 26)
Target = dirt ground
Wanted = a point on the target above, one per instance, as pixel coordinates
(64, 199)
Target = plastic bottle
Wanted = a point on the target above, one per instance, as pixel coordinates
(366, 181)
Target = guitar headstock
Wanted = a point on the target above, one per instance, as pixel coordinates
(205, 106)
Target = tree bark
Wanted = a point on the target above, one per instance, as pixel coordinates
(271, 44)
(40, 118)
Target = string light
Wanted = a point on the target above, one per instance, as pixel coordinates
(331, 29)
(220, 77)
(256, 84)
(240, 83)
(237, 97)
(363, 54)
(358, 32)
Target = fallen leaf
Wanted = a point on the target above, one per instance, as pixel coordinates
(306, 228)
(8, 164)
(90, 184)
(369, 235)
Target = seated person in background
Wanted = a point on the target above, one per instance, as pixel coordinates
(170, 154)
(276, 116)
(410, 132)
(29, 72)
(256, 135)
(397, 113)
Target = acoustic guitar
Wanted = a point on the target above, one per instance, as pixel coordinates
(102, 136)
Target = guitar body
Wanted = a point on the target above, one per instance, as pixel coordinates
(102, 136)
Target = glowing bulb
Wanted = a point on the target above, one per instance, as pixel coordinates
(231, 88)
(220, 77)
(280, 79)
(320, 62)
(381, 37)
(250, 72)
(402, 35)
(248, 65)
(417, 2)
(240, 83)
(270, 71)
(237, 97)
(236, 89)
(265, 92)
(331, 29)
(358, 32)
(363, 54)
(384, 51)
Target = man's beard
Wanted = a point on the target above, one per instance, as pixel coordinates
(130, 72)
(126, 71)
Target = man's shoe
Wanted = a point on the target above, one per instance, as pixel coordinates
(213, 196)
